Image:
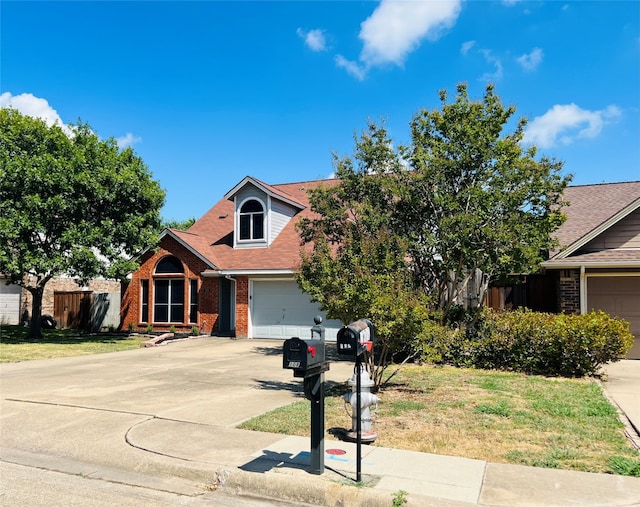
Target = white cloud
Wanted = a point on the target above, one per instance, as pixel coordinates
(396, 28)
(33, 106)
(353, 68)
(128, 140)
(530, 61)
(510, 2)
(30, 105)
(466, 46)
(314, 39)
(563, 124)
(496, 62)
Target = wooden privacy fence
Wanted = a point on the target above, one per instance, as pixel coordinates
(86, 310)
(536, 292)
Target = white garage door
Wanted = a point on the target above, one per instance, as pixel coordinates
(279, 309)
(9, 303)
(618, 296)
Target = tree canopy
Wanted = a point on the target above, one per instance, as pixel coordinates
(410, 227)
(70, 204)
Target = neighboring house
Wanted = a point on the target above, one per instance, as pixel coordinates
(90, 308)
(598, 264)
(232, 272)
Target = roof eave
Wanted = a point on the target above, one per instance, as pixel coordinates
(248, 179)
(247, 272)
(569, 264)
(169, 232)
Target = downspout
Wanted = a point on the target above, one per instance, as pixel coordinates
(583, 290)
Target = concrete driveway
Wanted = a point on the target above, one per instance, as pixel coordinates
(161, 418)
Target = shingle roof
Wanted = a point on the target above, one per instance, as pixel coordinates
(592, 205)
(593, 209)
(211, 237)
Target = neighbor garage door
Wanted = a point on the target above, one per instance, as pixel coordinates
(618, 296)
(279, 309)
(9, 303)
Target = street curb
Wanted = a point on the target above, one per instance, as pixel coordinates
(315, 491)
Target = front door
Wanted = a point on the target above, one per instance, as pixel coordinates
(227, 319)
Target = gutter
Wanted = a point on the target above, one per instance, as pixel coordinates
(247, 272)
(564, 264)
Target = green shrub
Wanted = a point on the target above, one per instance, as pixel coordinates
(529, 342)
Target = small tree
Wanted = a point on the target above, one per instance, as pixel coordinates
(70, 204)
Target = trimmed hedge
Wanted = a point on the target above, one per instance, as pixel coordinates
(530, 342)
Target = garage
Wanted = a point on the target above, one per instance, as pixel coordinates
(618, 296)
(9, 303)
(279, 309)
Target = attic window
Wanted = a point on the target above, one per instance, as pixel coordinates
(251, 220)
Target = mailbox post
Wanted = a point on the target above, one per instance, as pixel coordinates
(352, 341)
(307, 360)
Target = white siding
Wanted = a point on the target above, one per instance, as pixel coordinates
(281, 214)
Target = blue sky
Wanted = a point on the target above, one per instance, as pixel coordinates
(209, 92)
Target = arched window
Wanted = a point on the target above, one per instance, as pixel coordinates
(168, 287)
(251, 220)
(169, 265)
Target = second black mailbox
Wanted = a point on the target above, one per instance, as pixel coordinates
(302, 356)
(355, 338)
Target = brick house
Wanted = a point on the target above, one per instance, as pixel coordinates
(598, 264)
(232, 272)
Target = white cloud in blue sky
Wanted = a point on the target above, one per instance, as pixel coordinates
(314, 39)
(531, 61)
(564, 124)
(498, 71)
(467, 46)
(128, 140)
(30, 105)
(395, 29)
(36, 107)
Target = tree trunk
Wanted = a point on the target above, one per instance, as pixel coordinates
(35, 330)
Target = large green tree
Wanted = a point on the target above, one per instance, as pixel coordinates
(70, 204)
(475, 203)
(412, 226)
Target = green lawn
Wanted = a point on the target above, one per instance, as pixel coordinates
(493, 416)
(15, 347)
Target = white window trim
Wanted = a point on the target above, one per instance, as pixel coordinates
(262, 242)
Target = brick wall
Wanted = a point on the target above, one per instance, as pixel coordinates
(570, 291)
(208, 291)
(242, 307)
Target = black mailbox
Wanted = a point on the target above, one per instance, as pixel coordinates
(303, 356)
(354, 339)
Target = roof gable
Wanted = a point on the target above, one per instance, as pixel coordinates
(211, 237)
(272, 191)
(592, 210)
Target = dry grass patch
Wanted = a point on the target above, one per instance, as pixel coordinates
(493, 416)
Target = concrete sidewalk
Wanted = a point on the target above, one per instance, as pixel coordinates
(164, 419)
